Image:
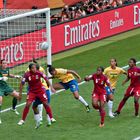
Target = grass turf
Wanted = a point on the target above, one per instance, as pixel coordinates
(72, 120)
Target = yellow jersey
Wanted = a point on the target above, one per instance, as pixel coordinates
(63, 75)
(41, 69)
(113, 75)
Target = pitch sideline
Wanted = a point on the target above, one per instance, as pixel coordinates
(8, 109)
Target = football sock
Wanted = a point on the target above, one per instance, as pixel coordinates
(48, 110)
(102, 114)
(14, 103)
(48, 119)
(81, 99)
(136, 108)
(25, 112)
(0, 110)
(40, 109)
(110, 106)
(37, 117)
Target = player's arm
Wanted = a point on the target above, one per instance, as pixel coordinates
(88, 78)
(123, 72)
(48, 82)
(15, 76)
(75, 74)
(22, 83)
(126, 80)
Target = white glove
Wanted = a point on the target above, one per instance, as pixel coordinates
(4, 78)
(18, 76)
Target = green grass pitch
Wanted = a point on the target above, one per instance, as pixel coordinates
(73, 123)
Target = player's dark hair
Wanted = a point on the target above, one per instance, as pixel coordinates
(30, 65)
(134, 60)
(34, 60)
(115, 61)
(100, 67)
(51, 68)
(37, 66)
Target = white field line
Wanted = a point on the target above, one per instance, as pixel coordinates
(137, 138)
(5, 110)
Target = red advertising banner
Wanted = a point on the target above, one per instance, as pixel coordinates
(71, 34)
(1, 4)
(95, 27)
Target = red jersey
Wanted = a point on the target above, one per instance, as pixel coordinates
(34, 81)
(99, 83)
(135, 80)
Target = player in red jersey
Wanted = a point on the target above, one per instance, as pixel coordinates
(36, 90)
(99, 92)
(133, 74)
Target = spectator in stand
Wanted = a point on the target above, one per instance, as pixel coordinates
(87, 7)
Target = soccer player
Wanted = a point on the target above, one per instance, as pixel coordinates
(68, 81)
(36, 90)
(5, 89)
(112, 72)
(37, 103)
(99, 92)
(133, 74)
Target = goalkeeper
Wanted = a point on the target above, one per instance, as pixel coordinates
(5, 89)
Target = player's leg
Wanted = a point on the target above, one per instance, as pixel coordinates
(110, 98)
(58, 86)
(74, 88)
(0, 107)
(121, 104)
(136, 103)
(48, 93)
(95, 100)
(36, 114)
(43, 99)
(15, 95)
(30, 98)
(102, 110)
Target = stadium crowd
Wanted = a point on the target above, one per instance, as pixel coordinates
(87, 7)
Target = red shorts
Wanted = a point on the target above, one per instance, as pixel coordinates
(133, 91)
(41, 96)
(99, 97)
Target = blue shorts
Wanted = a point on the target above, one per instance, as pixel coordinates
(72, 85)
(38, 102)
(108, 91)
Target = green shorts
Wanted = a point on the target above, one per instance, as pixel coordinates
(5, 89)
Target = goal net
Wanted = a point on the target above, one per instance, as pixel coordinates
(22, 33)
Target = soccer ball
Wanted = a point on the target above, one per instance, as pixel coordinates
(44, 46)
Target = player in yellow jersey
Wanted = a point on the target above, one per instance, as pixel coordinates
(112, 72)
(68, 81)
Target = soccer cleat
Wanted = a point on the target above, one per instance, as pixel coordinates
(0, 121)
(38, 124)
(110, 115)
(116, 113)
(15, 111)
(101, 125)
(49, 124)
(137, 115)
(88, 108)
(53, 120)
(21, 122)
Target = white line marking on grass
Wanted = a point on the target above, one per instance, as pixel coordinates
(5, 110)
(138, 138)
